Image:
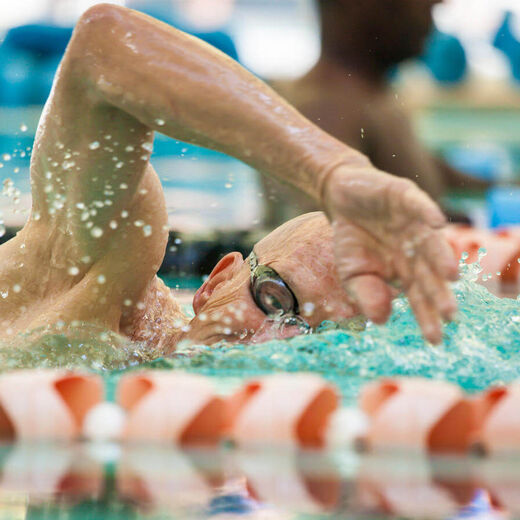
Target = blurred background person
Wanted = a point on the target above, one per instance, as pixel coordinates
(345, 64)
(348, 93)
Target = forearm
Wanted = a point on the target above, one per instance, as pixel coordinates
(184, 88)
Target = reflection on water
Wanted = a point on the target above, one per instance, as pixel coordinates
(110, 481)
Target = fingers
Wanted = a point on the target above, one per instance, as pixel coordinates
(427, 315)
(372, 295)
(418, 204)
(440, 256)
(435, 290)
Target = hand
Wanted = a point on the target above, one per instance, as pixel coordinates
(387, 232)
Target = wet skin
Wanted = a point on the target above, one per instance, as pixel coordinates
(96, 236)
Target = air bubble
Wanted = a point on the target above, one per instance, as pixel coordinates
(147, 230)
(101, 279)
(73, 270)
(159, 122)
(23, 127)
(94, 145)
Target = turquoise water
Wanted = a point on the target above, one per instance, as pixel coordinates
(481, 347)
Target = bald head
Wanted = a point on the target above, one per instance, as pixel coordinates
(309, 233)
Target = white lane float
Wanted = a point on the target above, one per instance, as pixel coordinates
(171, 407)
(291, 409)
(46, 404)
(419, 415)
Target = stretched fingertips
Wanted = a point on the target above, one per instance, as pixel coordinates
(426, 315)
(435, 290)
(439, 254)
(372, 295)
(419, 204)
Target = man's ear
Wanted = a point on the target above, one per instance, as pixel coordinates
(222, 272)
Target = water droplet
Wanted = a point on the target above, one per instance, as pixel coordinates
(73, 270)
(147, 230)
(101, 279)
(129, 148)
(228, 185)
(113, 224)
(119, 165)
(124, 214)
(86, 259)
(4, 294)
(23, 127)
(147, 146)
(123, 186)
(308, 308)
(6, 157)
(67, 165)
(94, 145)
(159, 122)
(139, 223)
(96, 232)
(17, 288)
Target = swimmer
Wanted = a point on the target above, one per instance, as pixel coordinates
(98, 227)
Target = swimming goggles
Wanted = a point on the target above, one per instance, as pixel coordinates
(270, 293)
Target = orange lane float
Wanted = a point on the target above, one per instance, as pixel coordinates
(418, 414)
(502, 249)
(46, 404)
(172, 407)
(500, 412)
(282, 408)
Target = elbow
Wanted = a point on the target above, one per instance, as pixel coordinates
(95, 33)
(96, 29)
(100, 14)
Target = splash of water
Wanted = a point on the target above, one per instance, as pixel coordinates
(80, 346)
(481, 347)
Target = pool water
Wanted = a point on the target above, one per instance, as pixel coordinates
(481, 347)
(106, 481)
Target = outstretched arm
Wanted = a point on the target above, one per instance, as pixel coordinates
(125, 73)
